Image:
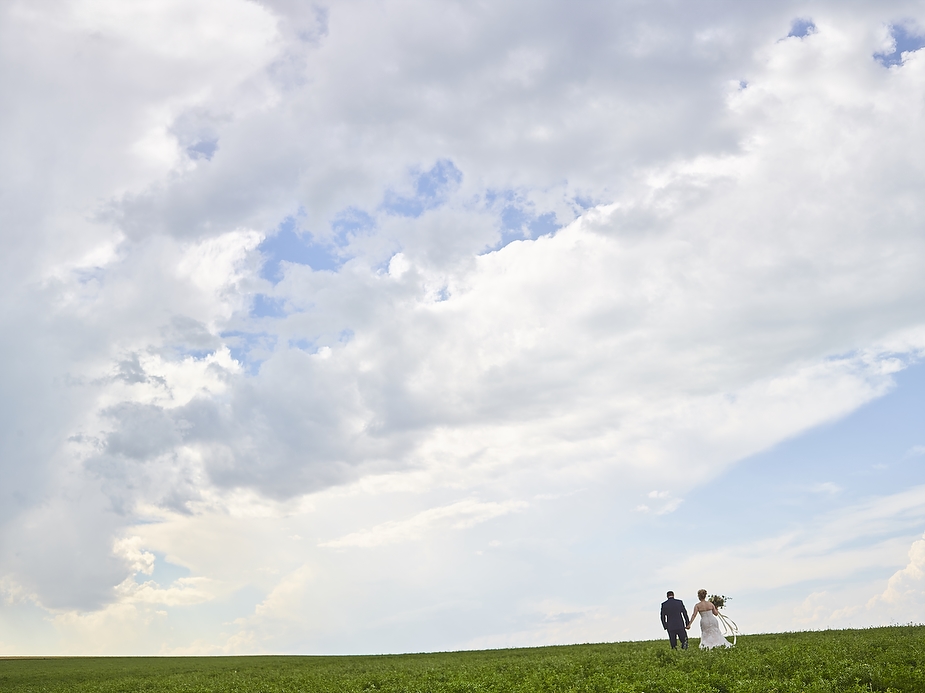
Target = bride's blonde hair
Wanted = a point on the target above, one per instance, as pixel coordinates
(702, 594)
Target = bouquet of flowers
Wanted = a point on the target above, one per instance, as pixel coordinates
(718, 600)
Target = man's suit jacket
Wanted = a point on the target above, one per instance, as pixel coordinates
(674, 615)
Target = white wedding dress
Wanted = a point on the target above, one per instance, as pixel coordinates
(710, 633)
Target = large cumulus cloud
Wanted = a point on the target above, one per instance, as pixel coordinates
(607, 241)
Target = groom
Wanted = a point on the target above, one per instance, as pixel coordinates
(675, 621)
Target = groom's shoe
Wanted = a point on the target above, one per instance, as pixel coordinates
(683, 645)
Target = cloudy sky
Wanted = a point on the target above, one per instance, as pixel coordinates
(393, 325)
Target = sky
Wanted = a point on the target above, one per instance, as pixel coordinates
(392, 326)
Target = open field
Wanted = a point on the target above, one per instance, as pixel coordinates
(877, 659)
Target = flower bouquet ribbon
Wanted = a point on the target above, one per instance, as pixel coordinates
(729, 627)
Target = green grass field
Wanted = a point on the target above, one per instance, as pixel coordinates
(877, 659)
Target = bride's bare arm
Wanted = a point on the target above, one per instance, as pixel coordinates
(694, 613)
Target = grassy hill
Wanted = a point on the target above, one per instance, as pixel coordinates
(877, 659)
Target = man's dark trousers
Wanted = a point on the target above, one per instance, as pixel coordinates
(675, 621)
(675, 635)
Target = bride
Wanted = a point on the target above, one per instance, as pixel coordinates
(710, 634)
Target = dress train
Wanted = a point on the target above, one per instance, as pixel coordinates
(710, 634)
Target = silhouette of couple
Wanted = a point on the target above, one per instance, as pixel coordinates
(676, 622)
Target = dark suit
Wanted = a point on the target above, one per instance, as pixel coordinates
(675, 621)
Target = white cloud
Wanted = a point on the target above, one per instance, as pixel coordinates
(668, 503)
(216, 264)
(905, 591)
(181, 31)
(183, 591)
(840, 549)
(731, 266)
(130, 548)
(285, 600)
(460, 515)
(898, 599)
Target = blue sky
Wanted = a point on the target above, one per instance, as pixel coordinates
(384, 327)
(875, 450)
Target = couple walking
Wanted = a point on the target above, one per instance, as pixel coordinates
(676, 622)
